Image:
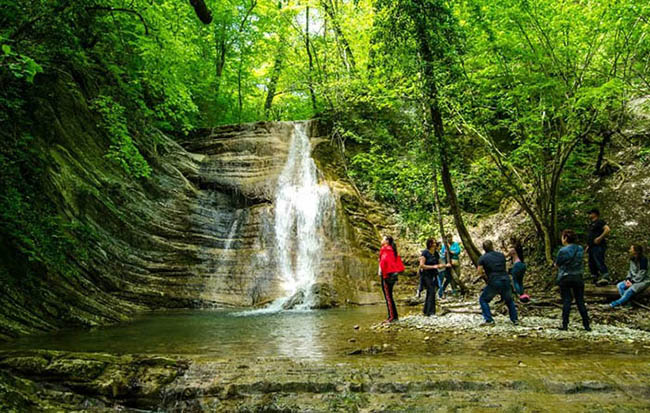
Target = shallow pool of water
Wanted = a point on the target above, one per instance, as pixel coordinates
(301, 334)
(324, 335)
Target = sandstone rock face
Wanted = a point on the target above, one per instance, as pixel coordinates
(199, 232)
(235, 171)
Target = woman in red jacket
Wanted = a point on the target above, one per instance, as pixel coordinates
(390, 265)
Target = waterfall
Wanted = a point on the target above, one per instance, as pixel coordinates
(301, 207)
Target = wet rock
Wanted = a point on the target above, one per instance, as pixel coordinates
(294, 301)
(324, 296)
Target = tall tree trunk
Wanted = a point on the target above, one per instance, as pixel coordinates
(311, 62)
(275, 73)
(221, 48)
(436, 202)
(348, 57)
(472, 251)
(239, 93)
(435, 115)
(275, 77)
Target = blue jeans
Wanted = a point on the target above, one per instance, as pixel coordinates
(501, 287)
(626, 294)
(517, 273)
(444, 279)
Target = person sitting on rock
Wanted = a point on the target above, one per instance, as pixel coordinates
(390, 265)
(569, 278)
(637, 277)
(518, 269)
(492, 269)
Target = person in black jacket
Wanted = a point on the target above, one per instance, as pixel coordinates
(596, 247)
(429, 265)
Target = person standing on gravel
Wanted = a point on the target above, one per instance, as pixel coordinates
(390, 265)
(518, 269)
(492, 268)
(570, 267)
(450, 255)
(637, 277)
(429, 265)
(596, 247)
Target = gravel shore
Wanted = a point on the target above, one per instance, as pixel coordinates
(533, 326)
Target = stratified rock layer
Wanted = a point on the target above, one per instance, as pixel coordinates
(198, 232)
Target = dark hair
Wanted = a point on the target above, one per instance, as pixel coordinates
(639, 252)
(488, 246)
(519, 249)
(430, 242)
(392, 244)
(570, 236)
(594, 211)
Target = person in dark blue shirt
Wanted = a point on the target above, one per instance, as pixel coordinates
(569, 278)
(492, 268)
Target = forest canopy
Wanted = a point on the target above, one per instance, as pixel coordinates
(473, 101)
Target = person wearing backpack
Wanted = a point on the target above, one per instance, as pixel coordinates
(569, 278)
(390, 265)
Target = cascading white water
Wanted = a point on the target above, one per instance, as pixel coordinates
(301, 207)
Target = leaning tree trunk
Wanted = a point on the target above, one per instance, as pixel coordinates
(431, 95)
(472, 251)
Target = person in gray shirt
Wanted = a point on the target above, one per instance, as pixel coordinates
(637, 277)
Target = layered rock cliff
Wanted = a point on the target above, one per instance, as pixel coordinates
(197, 233)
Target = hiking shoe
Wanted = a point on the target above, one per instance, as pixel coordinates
(515, 323)
(524, 298)
(587, 328)
(563, 328)
(487, 324)
(602, 282)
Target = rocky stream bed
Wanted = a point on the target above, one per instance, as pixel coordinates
(335, 360)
